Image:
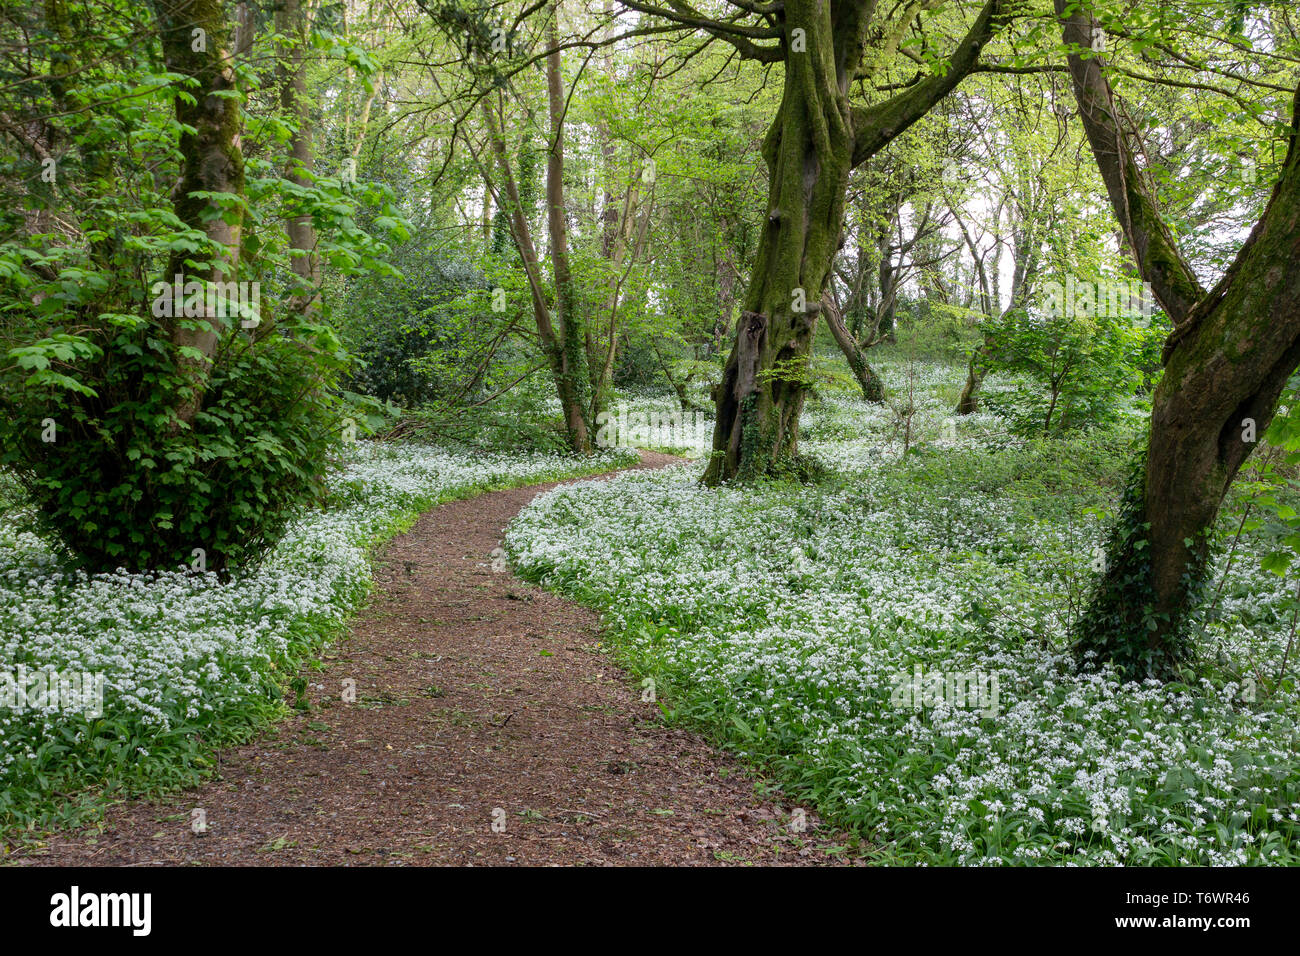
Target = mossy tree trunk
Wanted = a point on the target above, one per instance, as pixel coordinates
(873, 389)
(968, 403)
(1226, 363)
(808, 151)
(194, 36)
(568, 350)
(1021, 283)
(816, 139)
(292, 28)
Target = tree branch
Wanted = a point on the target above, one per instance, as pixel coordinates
(1159, 260)
(875, 126)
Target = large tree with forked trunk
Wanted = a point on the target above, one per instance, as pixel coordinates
(1231, 351)
(818, 136)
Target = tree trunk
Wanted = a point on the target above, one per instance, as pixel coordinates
(969, 402)
(561, 339)
(1221, 386)
(193, 35)
(888, 278)
(809, 151)
(873, 389)
(291, 26)
(568, 359)
(814, 142)
(1226, 364)
(1025, 254)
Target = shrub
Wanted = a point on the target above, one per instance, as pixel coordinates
(118, 482)
(411, 335)
(1087, 369)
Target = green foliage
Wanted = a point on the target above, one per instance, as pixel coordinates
(367, 414)
(412, 342)
(133, 446)
(933, 330)
(516, 423)
(1278, 481)
(119, 481)
(1087, 368)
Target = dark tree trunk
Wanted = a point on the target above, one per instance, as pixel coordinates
(815, 141)
(1226, 363)
(1025, 240)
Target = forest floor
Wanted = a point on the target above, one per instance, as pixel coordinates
(487, 728)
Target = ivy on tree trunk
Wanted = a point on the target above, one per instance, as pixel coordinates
(210, 194)
(1226, 363)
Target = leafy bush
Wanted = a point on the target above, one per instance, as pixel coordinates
(932, 330)
(1087, 368)
(97, 420)
(409, 336)
(120, 482)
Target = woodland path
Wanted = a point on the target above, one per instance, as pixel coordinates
(474, 691)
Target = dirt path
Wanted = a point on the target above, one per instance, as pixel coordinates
(475, 693)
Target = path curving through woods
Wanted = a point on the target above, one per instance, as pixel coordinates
(479, 699)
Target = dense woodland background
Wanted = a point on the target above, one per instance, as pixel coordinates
(1014, 285)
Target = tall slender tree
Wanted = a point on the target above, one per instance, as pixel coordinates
(210, 194)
